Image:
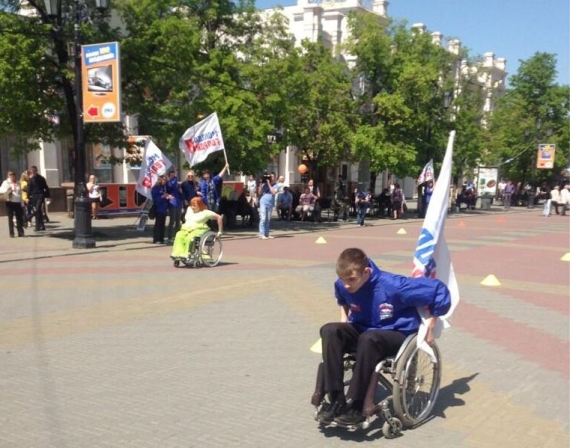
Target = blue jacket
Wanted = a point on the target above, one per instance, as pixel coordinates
(173, 189)
(388, 301)
(188, 190)
(160, 203)
(204, 188)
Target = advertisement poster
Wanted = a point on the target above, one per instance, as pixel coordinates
(101, 81)
(487, 181)
(545, 156)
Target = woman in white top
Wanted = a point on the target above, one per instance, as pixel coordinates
(555, 198)
(94, 195)
(13, 191)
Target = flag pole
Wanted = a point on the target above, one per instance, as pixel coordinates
(226, 158)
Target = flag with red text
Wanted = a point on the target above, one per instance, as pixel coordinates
(154, 164)
(201, 140)
(427, 173)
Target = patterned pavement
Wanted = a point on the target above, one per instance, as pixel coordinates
(113, 347)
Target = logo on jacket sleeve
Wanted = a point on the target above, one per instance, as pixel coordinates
(386, 311)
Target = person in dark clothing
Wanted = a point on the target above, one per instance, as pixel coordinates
(38, 192)
(189, 191)
(174, 206)
(210, 188)
(160, 200)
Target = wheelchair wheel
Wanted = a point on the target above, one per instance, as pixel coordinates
(416, 384)
(210, 249)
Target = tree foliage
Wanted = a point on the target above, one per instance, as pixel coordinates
(403, 78)
(534, 110)
(181, 59)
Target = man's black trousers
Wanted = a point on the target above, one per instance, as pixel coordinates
(370, 347)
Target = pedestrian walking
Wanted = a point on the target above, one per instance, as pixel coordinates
(94, 195)
(12, 191)
(38, 192)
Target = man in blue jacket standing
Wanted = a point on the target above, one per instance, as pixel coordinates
(378, 312)
(209, 188)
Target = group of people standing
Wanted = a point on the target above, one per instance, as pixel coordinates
(25, 200)
(173, 199)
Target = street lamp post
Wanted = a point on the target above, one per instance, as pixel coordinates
(82, 208)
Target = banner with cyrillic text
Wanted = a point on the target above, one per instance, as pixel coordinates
(154, 164)
(201, 140)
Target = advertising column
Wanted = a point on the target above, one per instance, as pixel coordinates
(101, 83)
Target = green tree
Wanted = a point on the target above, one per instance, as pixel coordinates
(36, 74)
(320, 109)
(404, 78)
(534, 110)
(199, 58)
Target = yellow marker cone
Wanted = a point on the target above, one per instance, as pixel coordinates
(566, 257)
(402, 231)
(461, 223)
(491, 280)
(321, 240)
(317, 347)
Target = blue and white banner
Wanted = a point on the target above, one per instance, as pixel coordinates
(432, 258)
(154, 164)
(201, 140)
(427, 173)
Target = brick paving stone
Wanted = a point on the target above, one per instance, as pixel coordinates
(114, 347)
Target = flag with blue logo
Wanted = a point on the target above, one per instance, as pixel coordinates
(431, 258)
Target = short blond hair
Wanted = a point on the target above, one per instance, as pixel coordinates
(351, 260)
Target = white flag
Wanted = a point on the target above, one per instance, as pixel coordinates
(432, 258)
(201, 140)
(426, 174)
(154, 164)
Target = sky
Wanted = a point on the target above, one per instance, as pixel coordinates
(511, 29)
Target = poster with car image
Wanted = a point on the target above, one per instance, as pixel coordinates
(101, 80)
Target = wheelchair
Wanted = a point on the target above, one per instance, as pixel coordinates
(205, 250)
(411, 376)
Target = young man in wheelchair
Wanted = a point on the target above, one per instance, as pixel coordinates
(378, 312)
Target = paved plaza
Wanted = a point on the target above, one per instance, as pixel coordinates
(114, 347)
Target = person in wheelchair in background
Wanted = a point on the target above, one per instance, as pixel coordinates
(196, 223)
(378, 312)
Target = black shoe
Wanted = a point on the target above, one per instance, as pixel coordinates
(12, 235)
(329, 411)
(350, 418)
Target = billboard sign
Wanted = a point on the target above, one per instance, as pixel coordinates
(101, 80)
(487, 181)
(545, 156)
